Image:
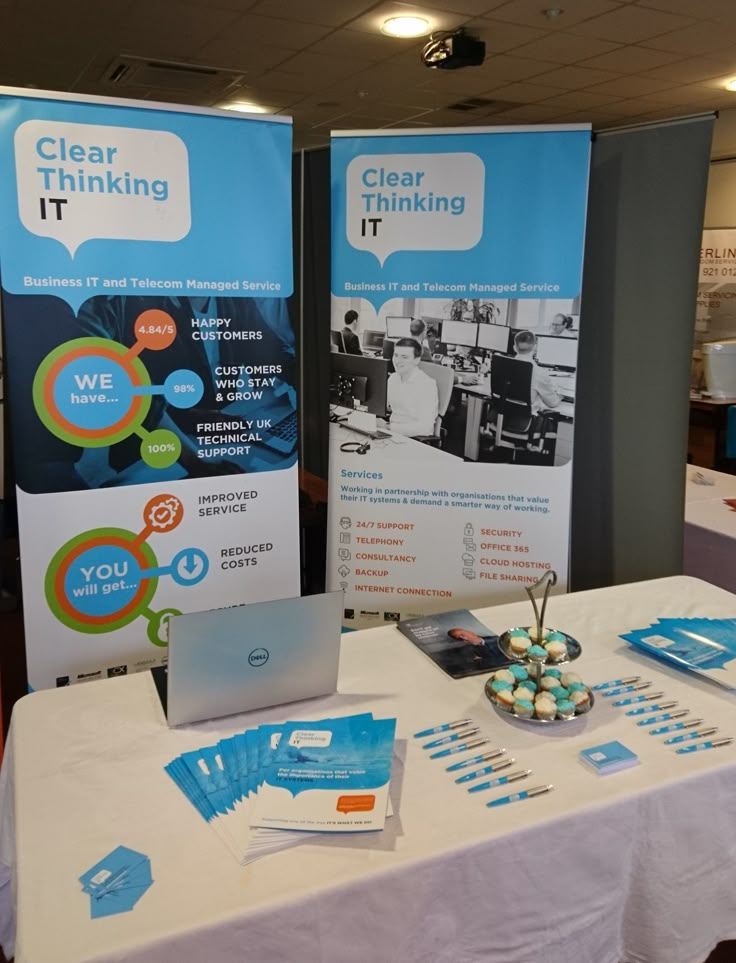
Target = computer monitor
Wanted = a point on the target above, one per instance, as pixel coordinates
(494, 337)
(553, 352)
(365, 379)
(464, 333)
(373, 339)
(398, 327)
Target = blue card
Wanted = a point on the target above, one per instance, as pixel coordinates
(609, 757)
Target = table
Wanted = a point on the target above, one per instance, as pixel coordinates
(396, 448)
(639, 866)
(709, 542)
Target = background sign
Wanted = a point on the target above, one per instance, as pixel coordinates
(145, 259)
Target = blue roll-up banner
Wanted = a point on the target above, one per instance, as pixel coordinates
(456, 274)
(145, 259)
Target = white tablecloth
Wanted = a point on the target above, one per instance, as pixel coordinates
(709, 544)
(639, 866)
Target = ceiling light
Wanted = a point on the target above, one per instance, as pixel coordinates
(405, 27)
(245, 107)
(731, 84)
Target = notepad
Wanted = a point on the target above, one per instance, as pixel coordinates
(609, 757)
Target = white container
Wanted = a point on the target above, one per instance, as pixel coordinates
(719, 362)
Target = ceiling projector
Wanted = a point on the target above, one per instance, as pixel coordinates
(453, 50)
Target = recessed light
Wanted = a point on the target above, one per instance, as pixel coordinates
(245, 107)
(731, 84)
(405, 27)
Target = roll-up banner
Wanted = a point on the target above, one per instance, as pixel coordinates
(456, 274)
(145, 259)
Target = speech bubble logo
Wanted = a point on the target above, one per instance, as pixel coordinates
(356, 804)
(414, 202)
(77, 182)
(319, 738)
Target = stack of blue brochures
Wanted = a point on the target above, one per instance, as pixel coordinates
(270, 787)
(705, 646)
(117, 882)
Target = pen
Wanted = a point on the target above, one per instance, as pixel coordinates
(634, 699)
(678, 725)
(492, 754)
(445, 728)
(501, 780)
(615, 682)
(704, 745)
(650, 720)
(526, 794)
(504, 764)
(626, 688)
(654, 707)
(698, 734)
(463, 747)
(453, 738)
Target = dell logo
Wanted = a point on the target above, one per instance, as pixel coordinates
(258, 657)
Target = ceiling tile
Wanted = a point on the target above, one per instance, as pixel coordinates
(528, 114)
(706, 9)
(242, 39)
(473, 8)
(595, 116)
(634, 106)
(632, 24)
(524, 93)
(319, 70)
(326, 12)
(695, 69)
(564, 48)
(493, 70)
(151, 28)
(580, 100)
(701, 38)
(632, 60)
(531, 12)
(574, 78)
(632, 86)
(357, 43)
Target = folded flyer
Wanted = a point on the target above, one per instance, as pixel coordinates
(704, 646)
(457, 642)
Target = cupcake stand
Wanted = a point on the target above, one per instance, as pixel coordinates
(537, 660)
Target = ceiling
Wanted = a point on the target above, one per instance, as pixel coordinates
(325, 63)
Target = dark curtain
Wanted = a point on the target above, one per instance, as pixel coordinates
(645, 220)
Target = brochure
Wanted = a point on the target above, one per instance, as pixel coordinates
(457, 642)
(701, 645)
(275, 786)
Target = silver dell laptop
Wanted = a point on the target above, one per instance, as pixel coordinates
(251, 656)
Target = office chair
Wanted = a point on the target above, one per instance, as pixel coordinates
(508, 417)
(337, 340)
(444, 379)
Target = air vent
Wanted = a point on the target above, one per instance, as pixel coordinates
(481, 104)
(131, 71)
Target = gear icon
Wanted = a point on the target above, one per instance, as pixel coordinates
(164, 513)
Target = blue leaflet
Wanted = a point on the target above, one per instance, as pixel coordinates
(117, 882)
(705, 646)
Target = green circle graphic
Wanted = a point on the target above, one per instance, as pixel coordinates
(59, 558)
(43, 413)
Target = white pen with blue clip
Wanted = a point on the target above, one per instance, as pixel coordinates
(616, 682)
(483, 757)
(515, 797)
(625, 688)
(696, 747)
(642, 710)
(649, 697)
(664, 717)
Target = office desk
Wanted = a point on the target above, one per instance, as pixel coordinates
(478, 393)
(640, 865)
(396, 447)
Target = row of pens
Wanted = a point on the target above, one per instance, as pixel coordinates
(462, 738)
(653, 709)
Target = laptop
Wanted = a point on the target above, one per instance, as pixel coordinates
(232, 660)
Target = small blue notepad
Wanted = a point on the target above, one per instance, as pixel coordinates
(609, 757)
